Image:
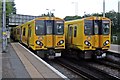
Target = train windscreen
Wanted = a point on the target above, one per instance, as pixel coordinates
(88, 27)
(40, 29)
(97, 27)
(49, 26)
(105, 27)
(59, 27)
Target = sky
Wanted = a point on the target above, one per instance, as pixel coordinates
(62, 8)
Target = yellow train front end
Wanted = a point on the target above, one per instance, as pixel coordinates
(97, 36)
(49, 39)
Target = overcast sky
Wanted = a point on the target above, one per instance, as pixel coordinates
(63, 7)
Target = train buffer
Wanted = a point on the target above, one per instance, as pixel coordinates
(19, 62)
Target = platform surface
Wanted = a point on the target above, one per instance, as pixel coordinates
(19, 63)
(114, 48)
(12, 67)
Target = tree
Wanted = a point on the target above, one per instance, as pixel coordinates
(67, 18)
(113, 16)
(10, 8)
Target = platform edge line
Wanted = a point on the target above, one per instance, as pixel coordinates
(49, 66)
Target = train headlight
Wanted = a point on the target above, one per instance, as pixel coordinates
(87, 43)
(106, 43)
(60, 42)
(39, 43)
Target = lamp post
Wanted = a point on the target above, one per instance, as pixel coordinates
(84, 14)
(119, 13)
(76, 8)
(4, 39)
(118, 6)
(103, 8)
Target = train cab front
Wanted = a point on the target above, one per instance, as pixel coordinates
(97, 39)
(51, 37)
(58, 38)
(102, 36)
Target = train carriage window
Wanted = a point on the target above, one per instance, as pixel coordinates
(75, 31)
(88, 27)
(23, 31)
(105, 27)
(59, 27)
(40, 29)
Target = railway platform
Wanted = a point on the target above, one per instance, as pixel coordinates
(19, 62)
(114, 48)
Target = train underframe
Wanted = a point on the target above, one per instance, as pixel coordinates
(93, 54)
(49, 54)
(86, 54)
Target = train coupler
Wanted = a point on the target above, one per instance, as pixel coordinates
(100, 54)
(53, 54)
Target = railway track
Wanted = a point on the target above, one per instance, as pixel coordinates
(81, 68)
(79, 71)
(109, 63)
(113, 54)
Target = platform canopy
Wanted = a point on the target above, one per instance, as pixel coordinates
(18, 19)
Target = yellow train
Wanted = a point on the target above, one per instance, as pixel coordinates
(15, 33)
(89, 36)
(45, 35)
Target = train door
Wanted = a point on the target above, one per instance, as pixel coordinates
(29, 34)
(70, 34)
(96, 33)
(49, 33)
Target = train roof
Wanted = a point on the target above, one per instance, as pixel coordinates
(90, 18)
(42, 18)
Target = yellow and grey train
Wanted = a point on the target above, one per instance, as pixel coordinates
(45, 35)
(89, 36)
